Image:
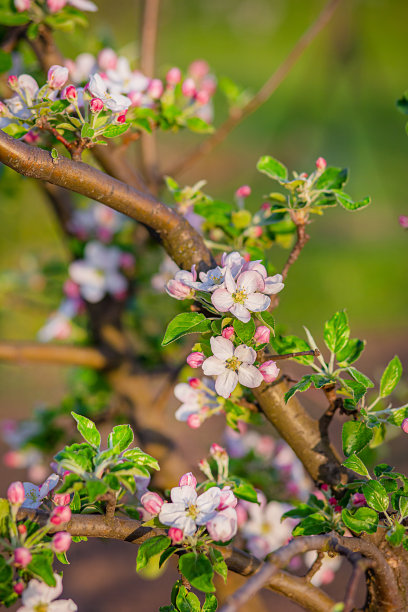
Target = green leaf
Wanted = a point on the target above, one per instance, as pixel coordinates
(397, 416)
(87, 131)
(186, 323)
(59, 105)
(396, 534)
(346, 202)
(187, 602)
(272, 168)
(355, 436)
(391, 376)
(360, 378)
(219, 565)
(41, 565)
(116, 130)
(266, 318)
(87, 429)
(62, 558)
(354, 463)
(95, 489)
(198, 571)
(351, 352)
(5, 61)
(244, 331)
(71, 482)
(8, 18)
(241, 219)
(166, 554)
(303, 385)
(363, 519)
(150, 548)
(15, 130)
(195, 124)
(302, 510)
(336, 332)
(403, 506)
(312, 525)
(121, 437)
(210, 604)
(331, 178)
(376, 496)
(244, 490)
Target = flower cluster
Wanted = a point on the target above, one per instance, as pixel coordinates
(39, 596)
(199, 401)
(53, 6)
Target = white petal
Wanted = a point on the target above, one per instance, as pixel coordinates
(257, 302)
(97, 86)
(115, 283)
(173, 514)
(185, 495)
(84, 274)
(212, 366)
(249, 376)
(62, 605)
(222, 300)
(49, 484)
(208, 501)
(273, 284)
(250, 281)
(185, 393)
(84, 5)
(245, 353)
(92, 294)
(229, 281)
(189, 528)
(240, 312)
(221, 347)
(226, 383)
(183, 412)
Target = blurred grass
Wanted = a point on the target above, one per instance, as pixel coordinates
(338, 102)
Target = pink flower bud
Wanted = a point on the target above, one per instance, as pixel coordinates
(188, 88)
(173, 76)
(227, 332)
(303, 175)
(216, 449)
(136, 97)
(31, 137)
(265, 206)
(12, 81)
(155, 89)
(332, 501)
(324, 487)
(262, 334)
(57, 76)
(62, 499)
(96, 105)
(127, 261)
(60, 514)
(338, 508)
(195, 360)
(358, 500)
(61, 541)
(55, 5)
(178, 290)
(71, 93)
(227, 499)
(194, 421)
(22, 529)
(176, 535)
(22, 5)
(199, 69)
(16, 493)
(242, 515)
(14, 459)
(209, 84)
(257, 231)
(202, 97)
(121, 119)
(403, 221)
(3, 109)
(107, 59)
(188, 480)
(223, 526)
(19, 587)
(71, 290)
(195, 383)
(269, 371)
(321, 163)
(22, 556)
(152, 502)
(243, 192)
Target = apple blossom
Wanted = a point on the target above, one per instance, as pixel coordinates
(173, 76)
(22, 530)
(403, 221)
(223, 526)
(195, 402)
(155, 88)
(12, 81)
(61, 541)
(188, 480)
(107, 59)
(243, 192)
(176, 535)
(57, 76)
(273, 284)
(198, 69)
(113, 101)
(359, 500)
(404, 425)
(187, 510)
(227, 499)
(19, 587)
(16, 493)
(22, 556)
(60, 514)
(228, 332)
(178, 287)
(152, 502)
(55, 5)
(269, 371)
(243, 296)
(262, 334)
(34, 495)
(326, 573)
(70, 93)
(83, 5)
(264, 531)
(188, 88)
(202, 97)
(195, 359)
(321, 163)
(39, 596)
(231, 365)
(22, 5)
(96, 105)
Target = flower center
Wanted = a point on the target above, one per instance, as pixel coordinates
(239, 297)
(192, 511)
(233, 363)
(266, 528)
(41, 607)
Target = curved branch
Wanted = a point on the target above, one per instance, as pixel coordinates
(184, 245)
(54, 354)
(263, 94)
(129, 530)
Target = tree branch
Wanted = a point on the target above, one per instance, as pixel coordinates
(184, 245)
(54, 354)
(263, 94)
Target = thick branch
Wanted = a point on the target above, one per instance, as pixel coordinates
(263, 94)
(180, 240)
(47, 353)
(301, 432)
(128, 530)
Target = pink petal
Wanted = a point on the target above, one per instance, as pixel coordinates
(222, 300)
(250, 376)
(250, 281)
(229, 281)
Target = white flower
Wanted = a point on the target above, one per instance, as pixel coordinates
(231, 366)
(194, 399)
(34, 495)
(210, 281)
(224, 525)
(84, 5)
(263, 531)
(242, 297)
(84, 65)
(113, 101)
(97, 274)
(329, 567)
(188, 510)
(273, 284)
(39, 597)
(123, 80)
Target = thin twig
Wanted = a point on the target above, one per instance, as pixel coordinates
(314, 352)
(317, 564)
(263, 94)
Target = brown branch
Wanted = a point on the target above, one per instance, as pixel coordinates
(54, 354)
(314, 352)
(180, 240)
(129, 530)
(263, 94)
(317, 564)
(62, 204)
(301, 240)
(45, 48)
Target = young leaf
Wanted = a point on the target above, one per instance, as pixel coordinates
(376, 496)
(351, 352)
(391, 376)
(266, 318)
(303, 385)
(312, 525)
(396, 534)
(331, 178)
(210, 604)
(185, 323)
(88, 430)
(87, 131)
(150, 548)
(195, 124)
(244, 331)
(355, 436)
(198, 571)
(95, 488)
(361, 378)
(120, 437)
(363, 519)
(272, 168)
(115, 130)
(354, 463)
(41, 565)
(346, 202)
(336, 332)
